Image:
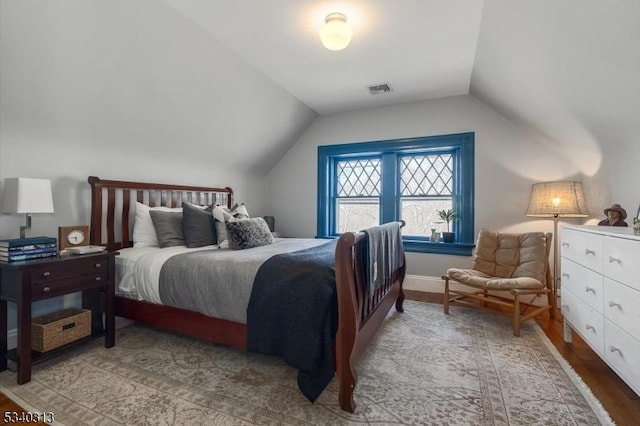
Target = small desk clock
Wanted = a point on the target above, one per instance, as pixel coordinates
(73, 236)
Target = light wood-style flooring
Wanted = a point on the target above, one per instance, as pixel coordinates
(622, 404)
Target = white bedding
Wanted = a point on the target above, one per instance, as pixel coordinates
(138, 269)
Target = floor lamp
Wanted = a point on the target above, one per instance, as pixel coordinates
(555, 200)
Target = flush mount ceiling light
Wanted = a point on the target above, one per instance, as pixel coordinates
(335, 34)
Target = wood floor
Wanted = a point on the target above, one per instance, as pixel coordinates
(622, 404)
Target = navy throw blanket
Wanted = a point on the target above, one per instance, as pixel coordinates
(293, 312)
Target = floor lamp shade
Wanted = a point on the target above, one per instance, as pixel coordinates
(557, 199)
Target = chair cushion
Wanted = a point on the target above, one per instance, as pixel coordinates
(479, 279)
(504, 255)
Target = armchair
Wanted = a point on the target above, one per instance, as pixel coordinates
(503, 262)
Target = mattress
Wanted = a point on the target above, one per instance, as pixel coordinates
(138, 273)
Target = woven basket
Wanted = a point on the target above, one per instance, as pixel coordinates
(59, 328)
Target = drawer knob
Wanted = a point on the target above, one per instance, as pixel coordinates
(565, 244)
(46, 274)
(98, 278)
(588, 251)
(612, 304)
(615, 349)
(590, 327)
(46, 289)
(98, 265)
(589, 289)
(615, 259)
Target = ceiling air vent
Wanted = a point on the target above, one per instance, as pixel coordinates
(378, 89)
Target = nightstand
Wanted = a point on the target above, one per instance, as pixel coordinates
(24, 282)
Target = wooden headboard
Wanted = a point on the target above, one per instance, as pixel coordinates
(112, 212)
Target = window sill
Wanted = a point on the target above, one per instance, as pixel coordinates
(423, 246)
(456, 249)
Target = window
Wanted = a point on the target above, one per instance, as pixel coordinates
(365, 184)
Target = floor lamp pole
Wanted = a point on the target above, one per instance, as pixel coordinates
(555, 262)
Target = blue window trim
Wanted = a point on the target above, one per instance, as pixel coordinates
(387, 150)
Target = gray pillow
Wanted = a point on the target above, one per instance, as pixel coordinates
(168, 227)
(198, 226)
(248, 233)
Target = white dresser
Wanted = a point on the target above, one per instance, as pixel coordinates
(600, 294)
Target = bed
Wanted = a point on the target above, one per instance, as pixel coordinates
(360, 307)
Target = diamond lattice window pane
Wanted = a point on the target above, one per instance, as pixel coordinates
(426, 175)
(358, 178)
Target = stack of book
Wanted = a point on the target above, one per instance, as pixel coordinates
(28, 248)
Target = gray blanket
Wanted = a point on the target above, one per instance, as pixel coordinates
(218, 283)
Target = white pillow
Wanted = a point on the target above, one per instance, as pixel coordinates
(144, 233)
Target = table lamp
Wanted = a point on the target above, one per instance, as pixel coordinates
(26, 195)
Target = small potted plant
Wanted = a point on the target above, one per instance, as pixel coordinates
(447, 215)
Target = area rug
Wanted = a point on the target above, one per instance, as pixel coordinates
(423, 368)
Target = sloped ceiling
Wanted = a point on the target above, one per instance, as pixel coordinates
(242, 80)
(566, 69)
(570, 69)
(423, 48)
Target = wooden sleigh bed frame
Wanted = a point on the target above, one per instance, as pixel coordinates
(359, 313)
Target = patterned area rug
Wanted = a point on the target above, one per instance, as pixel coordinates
(423, 368)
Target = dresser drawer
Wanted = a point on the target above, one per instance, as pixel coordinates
(72, 268)
(622, 306)
(584, 319)
(622, 261)
(583, 282)
(622, 353)
(583, 248)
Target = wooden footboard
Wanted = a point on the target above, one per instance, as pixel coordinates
(360, 313)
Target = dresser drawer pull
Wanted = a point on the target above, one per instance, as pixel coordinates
(590, 327)
(565, 307)
(46, 289)
(615, 259)
(588, 251)
(565, 244)
(614, 349)
(46, 274)
(98, 265)
(612, 304)
(589, 289)
(565, 275)
(98, 278)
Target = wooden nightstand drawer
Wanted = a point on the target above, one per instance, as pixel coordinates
(71, 268)
(71, 284)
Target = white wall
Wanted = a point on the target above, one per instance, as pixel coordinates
(91, 87)
(508, 159)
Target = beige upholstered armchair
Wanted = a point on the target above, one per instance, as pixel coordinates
(514, 263)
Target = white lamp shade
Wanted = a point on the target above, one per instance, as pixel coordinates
(335, 34)
(557, 199)
(26, 195)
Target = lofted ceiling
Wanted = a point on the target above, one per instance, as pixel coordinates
(422, 48)
(566, 69)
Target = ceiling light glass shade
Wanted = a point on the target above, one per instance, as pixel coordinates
(557, 199)
(335, 34)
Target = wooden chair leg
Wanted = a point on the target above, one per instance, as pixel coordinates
(516, 316)
(445, 302)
